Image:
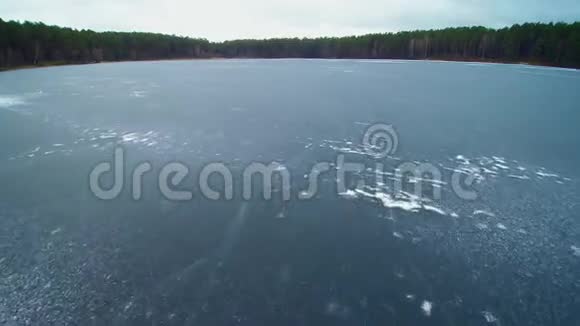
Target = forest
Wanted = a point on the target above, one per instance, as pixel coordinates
(37, 44)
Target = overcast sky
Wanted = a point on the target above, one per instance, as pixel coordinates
(219, 20)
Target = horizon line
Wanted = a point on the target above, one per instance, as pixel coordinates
(297, 37)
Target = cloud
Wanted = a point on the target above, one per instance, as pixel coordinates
(230, 19)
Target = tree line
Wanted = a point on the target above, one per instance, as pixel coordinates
(556, 44)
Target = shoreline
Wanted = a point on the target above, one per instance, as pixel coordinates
(60, 64)
(462, 60)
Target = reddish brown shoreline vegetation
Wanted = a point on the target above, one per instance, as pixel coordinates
(26, 45)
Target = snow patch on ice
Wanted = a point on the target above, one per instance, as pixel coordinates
(489, 317)
(483, 212)
(426, 306)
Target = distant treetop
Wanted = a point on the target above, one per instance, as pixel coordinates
(556, 44)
